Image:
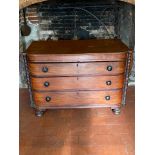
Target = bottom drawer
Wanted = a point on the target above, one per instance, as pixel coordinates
(77, 98)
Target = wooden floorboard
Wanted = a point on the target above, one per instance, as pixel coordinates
(77, 131)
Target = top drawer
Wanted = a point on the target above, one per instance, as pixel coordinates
(86, 57)
(77, 50)
(76, 69)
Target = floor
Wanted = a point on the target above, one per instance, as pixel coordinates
(77, 132)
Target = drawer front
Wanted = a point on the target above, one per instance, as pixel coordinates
(75, 69)
(87, 57)
(77, 98)
(77, 83)
(77, 50)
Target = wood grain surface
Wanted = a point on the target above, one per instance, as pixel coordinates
(77, 46)
(77, 98)
(87, 57)
(77, 69)
(77, 50)
(77, 83)
(67, 74)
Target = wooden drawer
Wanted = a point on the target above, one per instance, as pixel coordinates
(77, 98)
(76, 69)
(77, 83)
(87, 57)
(77, 50)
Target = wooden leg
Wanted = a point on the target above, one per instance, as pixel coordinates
(39, 113)
(116, 111)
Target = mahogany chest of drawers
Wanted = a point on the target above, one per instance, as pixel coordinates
(77, 74)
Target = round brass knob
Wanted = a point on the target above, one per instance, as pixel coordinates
(48, 98)
(108, 83)
(46, 84)
(107, 97)
(109, 68)
(45, 69)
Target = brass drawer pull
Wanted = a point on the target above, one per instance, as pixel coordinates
(109, 68)
(108, 83)
(107, 97)
(46, 84)
(48, 98)
(45, 69)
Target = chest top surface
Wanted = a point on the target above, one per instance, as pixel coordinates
(77, 46)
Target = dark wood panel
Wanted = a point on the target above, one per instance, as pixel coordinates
(76, 69)
(77, 83)
(77, 98)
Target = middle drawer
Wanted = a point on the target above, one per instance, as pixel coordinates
(77, 83)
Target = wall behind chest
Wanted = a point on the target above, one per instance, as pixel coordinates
(71, 20)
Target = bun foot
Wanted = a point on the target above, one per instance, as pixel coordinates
(116, 111)
(39, 113)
